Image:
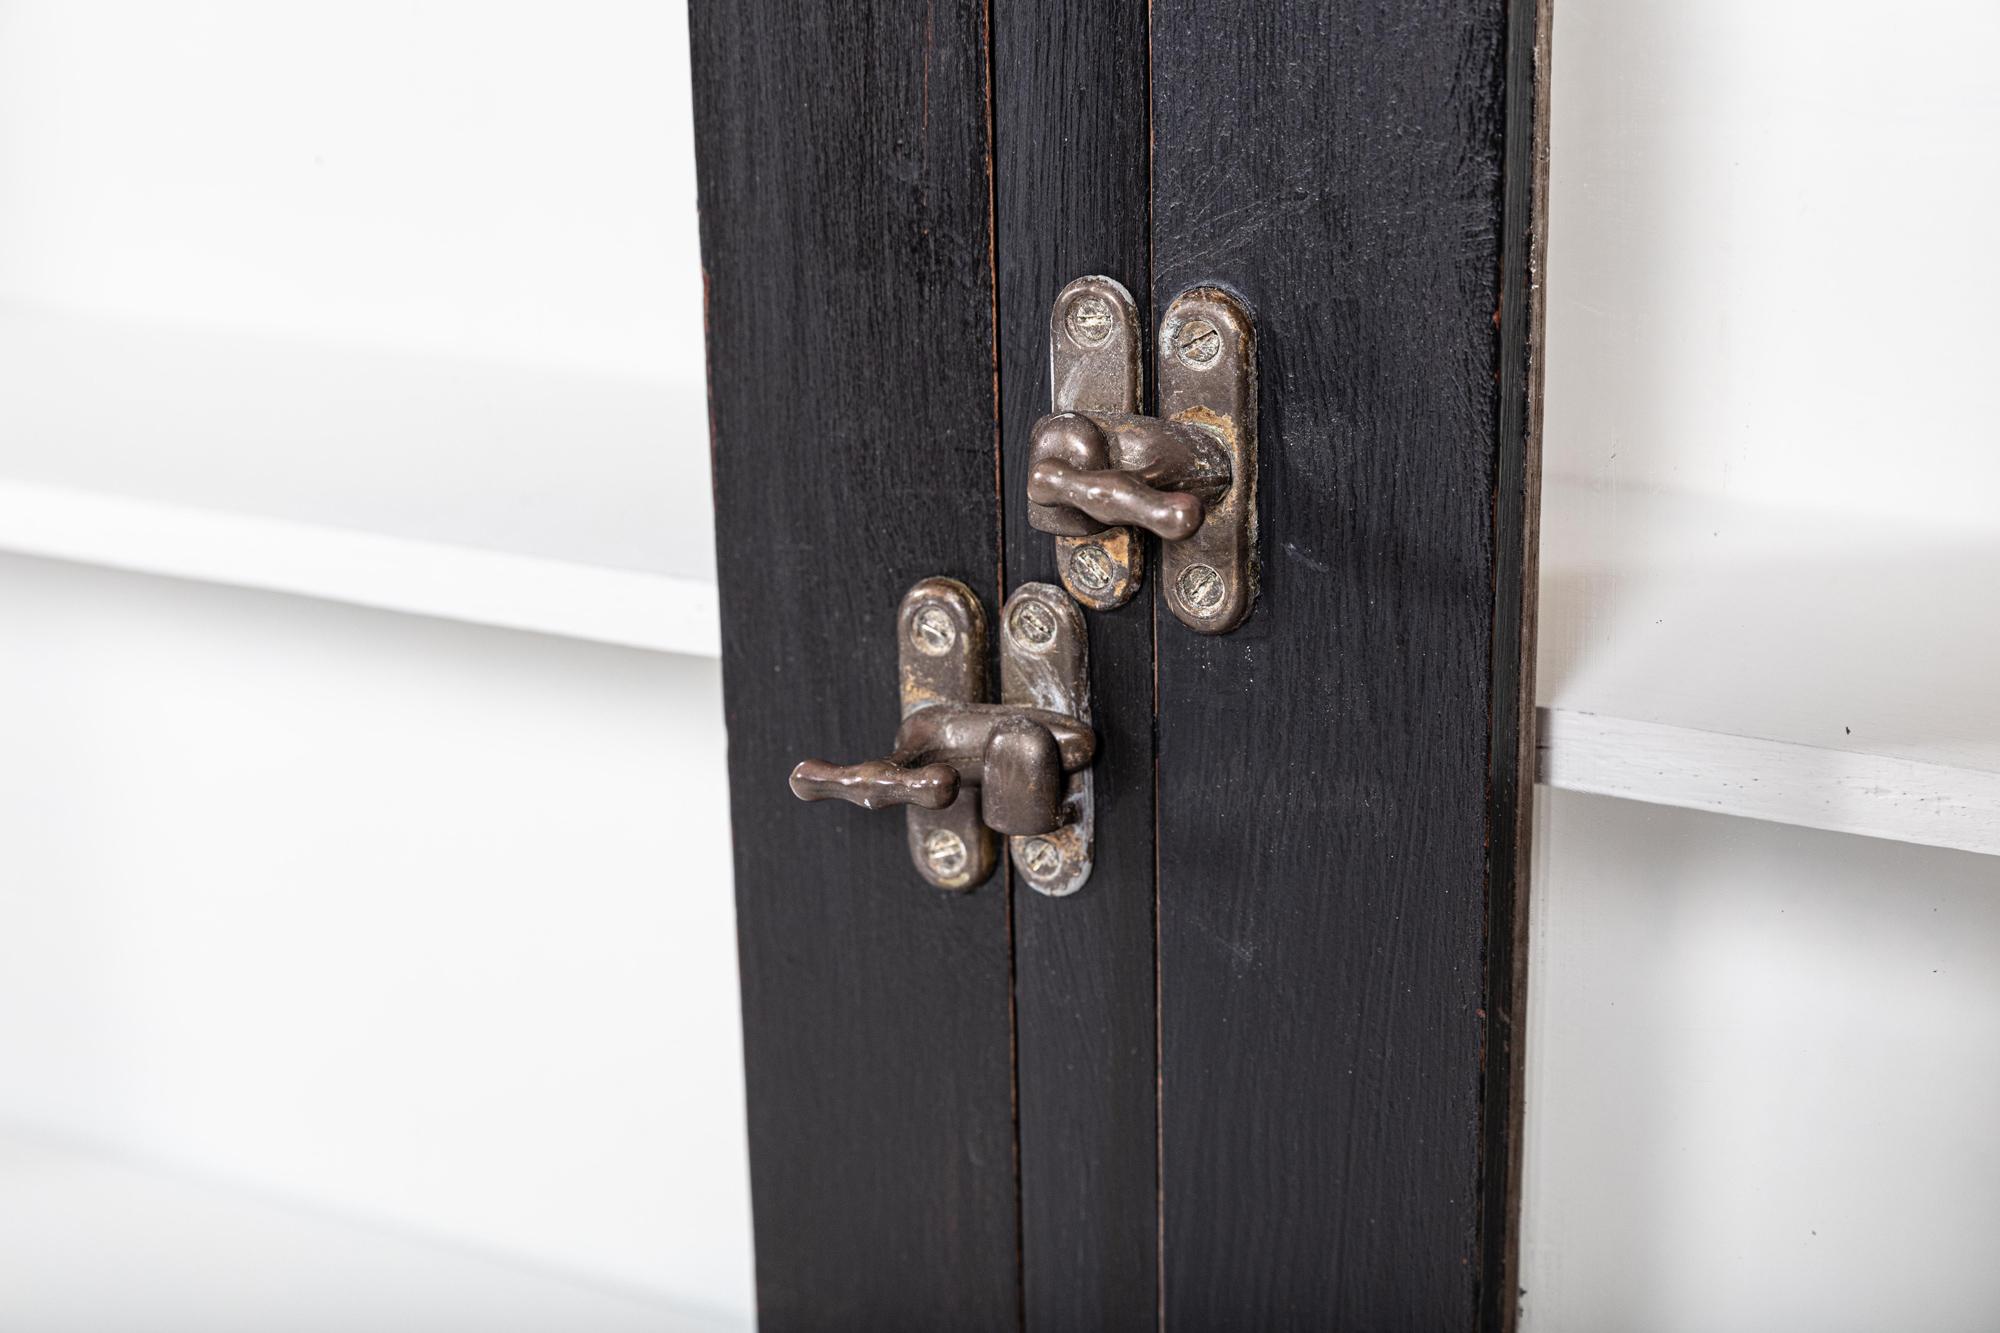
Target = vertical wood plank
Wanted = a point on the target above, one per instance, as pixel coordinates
(1516, 582)
(846, 233)
(1071, 189)
(1328, 773)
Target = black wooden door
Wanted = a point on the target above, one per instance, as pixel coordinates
(1259, 1072)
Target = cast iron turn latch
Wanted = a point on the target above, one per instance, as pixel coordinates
(967, 768)
(1097, 468)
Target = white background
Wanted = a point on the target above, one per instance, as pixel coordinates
(498, 180)
(413, 923)
(428, 926)
(1762, 1060)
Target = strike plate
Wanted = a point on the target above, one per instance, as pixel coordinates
(1208, 377)
(1044, 663)
(941, 659)
(1094, 348)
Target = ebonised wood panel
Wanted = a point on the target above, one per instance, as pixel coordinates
(843, 159)
(1071, 194)
(1328, 792)
(1517, 573)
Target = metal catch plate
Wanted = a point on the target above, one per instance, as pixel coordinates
(1044, 663)
(941, 656)
(1094, 348)
(1208, 377)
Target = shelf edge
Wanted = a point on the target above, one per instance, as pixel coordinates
(660, 612)
(1840, 791)
(1843, 791)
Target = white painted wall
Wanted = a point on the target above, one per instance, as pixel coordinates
(1763, 1080)
(1762, 1072)
(1771, 275)
(504, 178)
(415, 922)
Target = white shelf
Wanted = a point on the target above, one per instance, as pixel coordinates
(563, 502)
(1812, 669)
(91, 1244)
(1829, 671)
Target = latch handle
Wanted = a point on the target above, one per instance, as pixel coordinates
(876, 784)
(1113, 497)
(1019, 755)
(966, 769)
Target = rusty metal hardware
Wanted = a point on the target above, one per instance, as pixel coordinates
(966, 768)
(1097, 468)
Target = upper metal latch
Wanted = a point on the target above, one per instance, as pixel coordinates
(1098, 469)
(967, 768)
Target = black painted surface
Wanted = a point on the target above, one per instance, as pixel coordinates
(1071, 195)
(1325, 810)
(1337, 793)
(1517, 525)
(842, 155)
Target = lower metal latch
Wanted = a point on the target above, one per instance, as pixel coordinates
(967, 768)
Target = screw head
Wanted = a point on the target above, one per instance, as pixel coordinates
(931, 631)
(1038, 856)
(1200, 589)
(1198, 343)
(1091, 567)
(1032, 624)
(1089, 319)
(944, 852)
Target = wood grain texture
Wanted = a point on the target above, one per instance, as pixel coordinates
(845, 216)
(1070, 120)
(1327, 773)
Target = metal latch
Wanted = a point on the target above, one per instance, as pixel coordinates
(1098, 469)
(967, 768)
